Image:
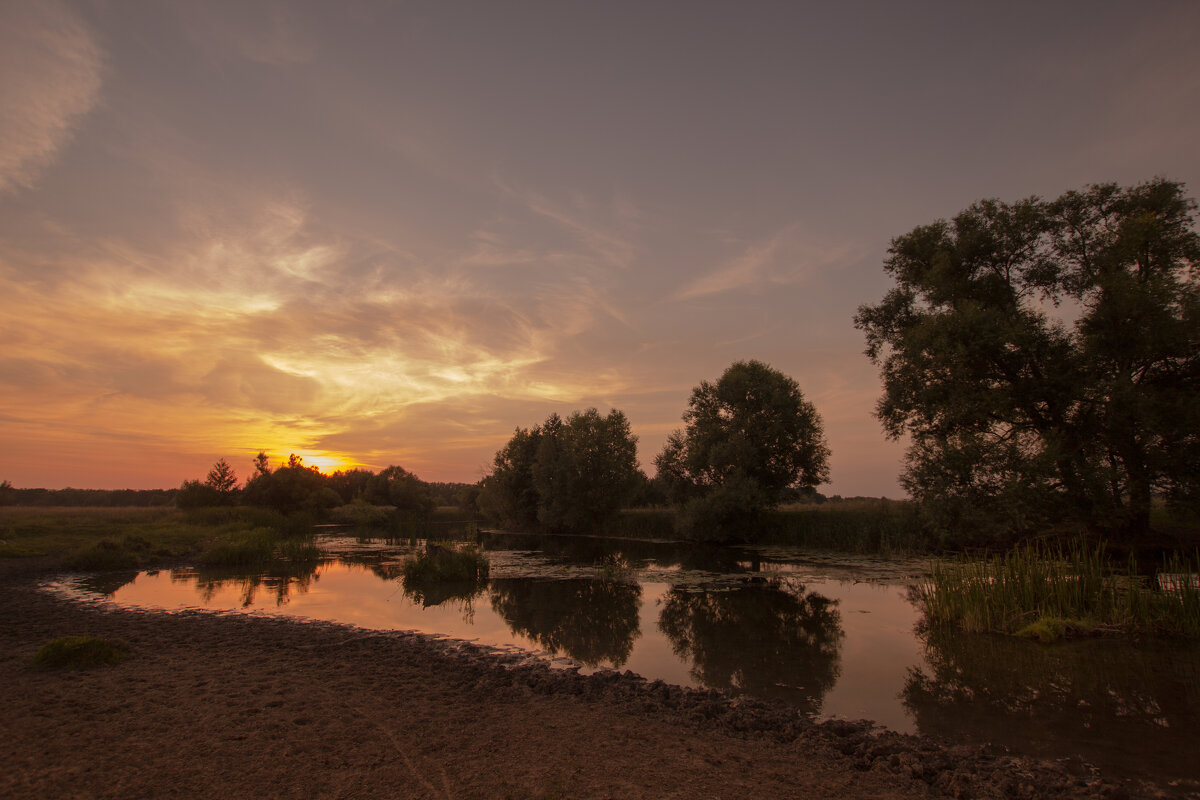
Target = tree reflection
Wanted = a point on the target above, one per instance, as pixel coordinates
(281, 580)
(1130, 708)
(592, 621)
(429, 593)
(766, 638)
(106, 583)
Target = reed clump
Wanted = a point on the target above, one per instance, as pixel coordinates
(1047, 592)
(441, 562)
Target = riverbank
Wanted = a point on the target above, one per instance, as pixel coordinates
(241, 706)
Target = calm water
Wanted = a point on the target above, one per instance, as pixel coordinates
(834, 636)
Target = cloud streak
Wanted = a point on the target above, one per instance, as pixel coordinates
(50, 78)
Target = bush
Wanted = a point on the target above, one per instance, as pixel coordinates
(441, 563)
(80, 652)
(104, 555)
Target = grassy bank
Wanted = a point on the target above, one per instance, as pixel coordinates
(1048, 591)
(128, 538)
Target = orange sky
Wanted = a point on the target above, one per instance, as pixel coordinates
(374, 235)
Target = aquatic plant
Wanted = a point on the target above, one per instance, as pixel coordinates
(80, 652)
(1045, 592)
(441, 562)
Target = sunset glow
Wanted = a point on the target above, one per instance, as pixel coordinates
(374, 235)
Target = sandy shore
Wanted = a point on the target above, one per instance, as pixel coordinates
(232, 707)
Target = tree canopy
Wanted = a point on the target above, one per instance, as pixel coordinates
(746, 439)
(570, 474)
(1045, 355)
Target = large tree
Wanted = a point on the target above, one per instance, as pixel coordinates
(746, 439)
(570, 474)
(1045, 356)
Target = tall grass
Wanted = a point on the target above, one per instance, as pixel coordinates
(1046, 591)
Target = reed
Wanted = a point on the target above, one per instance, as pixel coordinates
(443, 563)
(1048, 591)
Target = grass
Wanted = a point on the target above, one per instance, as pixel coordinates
(447, 564)
(103, 539)
(1047, 592)
(80, 652)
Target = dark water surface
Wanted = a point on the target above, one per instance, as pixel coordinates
(833, 635)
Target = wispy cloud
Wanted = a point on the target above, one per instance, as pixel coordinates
(789, 256)
(50, 77)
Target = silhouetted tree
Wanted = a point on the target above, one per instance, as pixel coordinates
(222, 478)
(747, 438)
(508, 494)
(294, 487)
(398, 487)
(1045, 357)
(585, 471)
(351, 484)
(563, 475)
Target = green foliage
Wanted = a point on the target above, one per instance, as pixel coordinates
(243, 549)
(442, 573)
(569, 475)
(8, 495)
(361, 514)
(441, 562)
(747, 439)
(396, 486)
(103, 555)
(291, 488)
(508, 495)
(1019, 414)
(194, 494)
(1021, 591)
(80, 652)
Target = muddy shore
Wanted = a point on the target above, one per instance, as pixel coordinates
(236, 706)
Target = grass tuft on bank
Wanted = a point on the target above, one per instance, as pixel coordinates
(1048, 592)
(80, 652)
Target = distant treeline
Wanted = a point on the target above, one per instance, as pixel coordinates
(104, 498)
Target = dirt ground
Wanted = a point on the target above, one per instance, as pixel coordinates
(233, 707)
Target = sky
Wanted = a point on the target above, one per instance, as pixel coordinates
(375, 233)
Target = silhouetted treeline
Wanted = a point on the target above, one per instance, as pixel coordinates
(105, 498)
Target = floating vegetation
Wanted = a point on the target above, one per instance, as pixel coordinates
(615, 568)
(1045, 592)
(80, 652)
(441, 574)
(441, 562)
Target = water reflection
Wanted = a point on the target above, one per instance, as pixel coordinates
(585, 550)
(431, 593)
(281, 581)
(1124, 707)
(107, 583)
(593, 621)
(768, 638)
